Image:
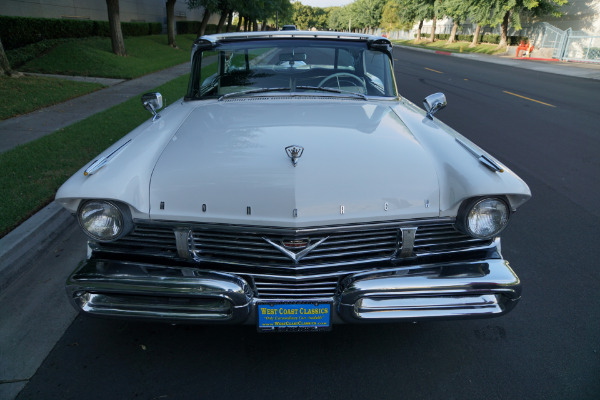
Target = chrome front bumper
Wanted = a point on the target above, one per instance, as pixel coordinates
(482, 288)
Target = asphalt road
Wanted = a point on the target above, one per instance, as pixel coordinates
(548, 347)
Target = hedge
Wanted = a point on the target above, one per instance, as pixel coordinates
(20, 31)
(484, 38)
(194, 27)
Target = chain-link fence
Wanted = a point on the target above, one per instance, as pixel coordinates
(581, 47)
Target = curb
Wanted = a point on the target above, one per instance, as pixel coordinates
(24, 244)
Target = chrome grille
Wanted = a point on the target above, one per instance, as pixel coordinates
(440, 238)
(252, 248)
(147, 238)
(243, 250)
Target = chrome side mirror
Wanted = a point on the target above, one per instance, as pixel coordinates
(152, 102)
(434, 103)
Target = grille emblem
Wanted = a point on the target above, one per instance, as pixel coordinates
(294, 152)
(302, 244)
(295, 244)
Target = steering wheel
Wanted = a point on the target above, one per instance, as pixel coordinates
(339, 75)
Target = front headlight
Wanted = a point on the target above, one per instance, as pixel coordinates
(102, 220)
(484, 218)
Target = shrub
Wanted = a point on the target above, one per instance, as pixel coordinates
(20, 31)
(156, 28)
(101, 28)
(194, 27)
(135, 28)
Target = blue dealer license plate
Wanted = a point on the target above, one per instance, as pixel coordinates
(294, 316)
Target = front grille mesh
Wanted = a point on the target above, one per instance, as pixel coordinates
(244, 250)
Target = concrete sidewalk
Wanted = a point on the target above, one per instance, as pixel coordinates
(28, 127)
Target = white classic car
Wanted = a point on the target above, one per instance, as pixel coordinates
(293, 188)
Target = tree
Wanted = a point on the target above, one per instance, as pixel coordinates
(367, 13)
(434, 20)
(412, 11)
(509, 11)
(479, 12)
(339, 18)
(390, 16)
(4, 64)
(459, 11)
(171, 23)
(114, 21)
(210, 6)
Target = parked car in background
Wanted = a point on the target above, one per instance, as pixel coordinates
(293, 188)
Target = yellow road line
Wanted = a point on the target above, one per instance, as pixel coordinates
(433, 70)
(527, 98)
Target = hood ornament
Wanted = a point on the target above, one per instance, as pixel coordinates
(294, 152)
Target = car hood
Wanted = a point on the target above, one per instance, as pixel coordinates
(227, 162)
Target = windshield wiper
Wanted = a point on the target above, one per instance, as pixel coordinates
(331, 90)
(245, 92)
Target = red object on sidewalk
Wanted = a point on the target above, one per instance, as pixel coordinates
(528, 48)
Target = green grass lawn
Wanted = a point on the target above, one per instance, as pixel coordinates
(28, 93)
(31, 174)
(94, 57)
(456, 47)
(82, 57)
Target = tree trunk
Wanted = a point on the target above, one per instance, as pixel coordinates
(452, 37)
(264, 25)
(418, 38)
(229, 20)
(116, 35)
(475, 41)
(171, 23)
(239, 25)
(504, 30)
(205, 19)
(246, 24)
(4, 64)
(255, 25)
(433, 27)
(222, 21)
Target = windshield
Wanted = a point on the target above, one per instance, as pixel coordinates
(334, 67)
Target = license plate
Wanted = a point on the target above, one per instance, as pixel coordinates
(294, 316)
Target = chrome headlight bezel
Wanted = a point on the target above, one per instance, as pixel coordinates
(117, 217)
(471, 211)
